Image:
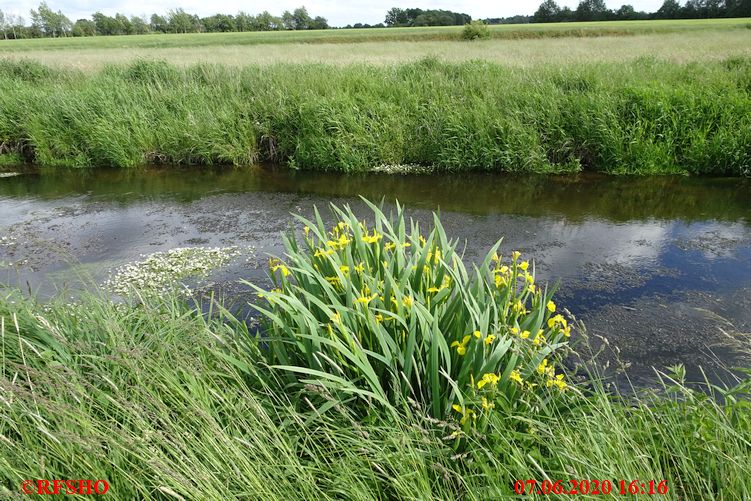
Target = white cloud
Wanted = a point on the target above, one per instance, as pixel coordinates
(337, 12)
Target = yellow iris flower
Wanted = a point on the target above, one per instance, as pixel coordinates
(365, 299)
(461, 347)
(488, 378)
(285, 271)
(539, 338)
(487, 405)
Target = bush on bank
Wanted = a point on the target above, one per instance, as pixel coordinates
(645, 116)
(476, 30)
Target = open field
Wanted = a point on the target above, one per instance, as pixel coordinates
(436, 33)
(677, 41)
(684, 47)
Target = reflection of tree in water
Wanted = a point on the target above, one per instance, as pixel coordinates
(572, 196)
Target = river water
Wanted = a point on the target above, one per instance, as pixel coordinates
(660, 266)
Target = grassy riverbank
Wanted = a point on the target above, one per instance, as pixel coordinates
(156, 401)
(644, 117)
(373, 401)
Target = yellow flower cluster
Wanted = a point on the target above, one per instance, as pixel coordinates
(321, 252)
(559, 322)
(445, 284)
(366, 299)
(461, 346)
(391, 245)
(277, 265)
(519, 308)
(371, 239)
(435, 258)
(539, 339)
(339, 243)
(488, 378)
(558, 382)
(506, 275)
(548, 370)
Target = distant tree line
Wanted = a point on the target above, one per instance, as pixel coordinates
(364, 25)
(419, 17)
(508, 20)
(596, 10)
(46, 22)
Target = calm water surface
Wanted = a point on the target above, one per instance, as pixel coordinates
(660, 266)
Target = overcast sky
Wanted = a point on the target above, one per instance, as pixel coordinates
(338, 12)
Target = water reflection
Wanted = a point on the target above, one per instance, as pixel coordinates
(659, 265)
(575, 196)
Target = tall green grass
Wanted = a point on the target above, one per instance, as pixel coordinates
(642, 117)
(165, 404)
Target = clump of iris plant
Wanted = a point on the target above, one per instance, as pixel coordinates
(389, 314)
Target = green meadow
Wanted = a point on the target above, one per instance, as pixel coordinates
(413, 34)
(532, 45)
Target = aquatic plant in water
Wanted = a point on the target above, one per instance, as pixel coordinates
(161, 272)
(394, 316)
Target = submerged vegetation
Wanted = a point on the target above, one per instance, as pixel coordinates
(647, 116)
(360, 387)
(161, 272)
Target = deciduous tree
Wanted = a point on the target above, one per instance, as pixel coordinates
(84, 28)
(548, 12)
(49, 22)
(591, 10)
